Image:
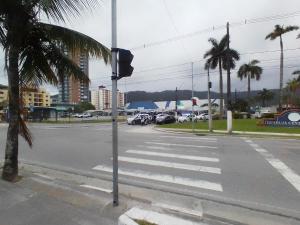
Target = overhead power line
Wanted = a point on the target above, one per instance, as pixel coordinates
(220, 27)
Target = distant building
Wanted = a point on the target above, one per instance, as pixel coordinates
(102, 98)
(72, 91)
(54, 99)
(3, 93)
(36, 97)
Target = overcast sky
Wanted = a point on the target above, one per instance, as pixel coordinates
(165, 65)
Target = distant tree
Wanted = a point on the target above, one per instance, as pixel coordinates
(278, 32)
(241, 105)
(297, 72)
(264, 95)
(290, 96)
(217, 56)
(83, 106)
(250, 71)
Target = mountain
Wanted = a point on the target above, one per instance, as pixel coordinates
(170, 95)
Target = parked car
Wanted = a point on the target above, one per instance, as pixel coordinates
(203, 116)
(165, 118)
(140, 118)
(183, 119)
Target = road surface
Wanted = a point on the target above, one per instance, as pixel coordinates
(261, 171)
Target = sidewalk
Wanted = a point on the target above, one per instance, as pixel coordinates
(34, 201)
(45, 196)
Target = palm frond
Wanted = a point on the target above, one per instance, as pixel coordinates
(242, 72)
(290, 28)
(64, 65)
(24, 131)
(63, 9)
(34, 66)
(254, 62)
(223, 43)
(76, 42)
(2, 37)
(296, 72)
(214, 42)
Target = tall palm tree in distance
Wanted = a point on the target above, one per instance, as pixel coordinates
(35, 54)
(265, 95)
(217, 57)
(279, 31)
(250, 71)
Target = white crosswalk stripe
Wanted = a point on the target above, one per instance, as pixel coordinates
(149, 162)
(154, 156)
(178, 156)
(191, 138)
(180, 145)
(165, 178)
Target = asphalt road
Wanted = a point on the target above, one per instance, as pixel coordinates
(261, 171)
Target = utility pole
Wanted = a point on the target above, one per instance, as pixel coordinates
(176, 99)
(193, 125)
(209, 101)
(229, 104)
(114, 101)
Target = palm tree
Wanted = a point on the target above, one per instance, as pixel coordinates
(265, 95)
(35, 55)
(278, 32)
(297, 72)
(217, 57)
(250, 71)
(291, 87)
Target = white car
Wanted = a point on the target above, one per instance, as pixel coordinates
(203, 116)
(183, 119)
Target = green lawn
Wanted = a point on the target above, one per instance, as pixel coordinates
(238, 125)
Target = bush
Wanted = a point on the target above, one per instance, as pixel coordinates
(268, 115)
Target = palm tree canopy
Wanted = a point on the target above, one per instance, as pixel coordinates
(42, 46)
(280, 30)
(251, 69)
(42, 49)
(293, 85)
(219, 51)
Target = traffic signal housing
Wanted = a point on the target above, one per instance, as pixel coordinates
(124, 63)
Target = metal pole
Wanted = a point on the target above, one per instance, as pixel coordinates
(193, 125)
(176, 99)
(209, 101)
(114, 102)
(229, 104)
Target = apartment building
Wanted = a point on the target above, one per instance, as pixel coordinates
(3, 93)
(102, 98)
(72, 91)
(36, 97)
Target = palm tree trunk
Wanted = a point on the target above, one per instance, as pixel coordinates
(281, 75)
(221, 89)
(10, 168)
(249, 88)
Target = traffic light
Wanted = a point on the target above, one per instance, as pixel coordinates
(124, 61)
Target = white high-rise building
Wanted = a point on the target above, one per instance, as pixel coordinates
(102, 99)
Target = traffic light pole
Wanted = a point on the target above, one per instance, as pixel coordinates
(193, 125)
(114, 102)
(209, 101)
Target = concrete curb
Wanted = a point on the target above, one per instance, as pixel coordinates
(126, 220)
(157, 216)
(180, 131)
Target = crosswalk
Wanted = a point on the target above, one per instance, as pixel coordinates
(180, 160)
